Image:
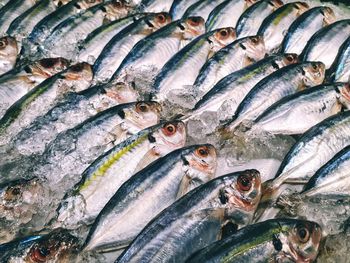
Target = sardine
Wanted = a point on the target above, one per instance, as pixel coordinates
(278, 240)
(202, 8)
(226, 14)
(19, 81)
(77, 28)
(276, 86)
(276, 24)
(165, 180)
(82, 105)
(196, 219)
(155, 6)
(151, 53)
(296, 113)
(57, 247)
(250, 20)
(45, 26)
(304, 27)
(179, 7)
(340, 70)
(41, 98)
(324, 45)
(235, 56)
(8, 54)
(122, 43)
(91, 47)
(11, 11)
(188, 62)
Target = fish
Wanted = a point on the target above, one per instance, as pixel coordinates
(19, 81)
(235, 56)
(58, 246)
(188, 62)
(314, 105)
(11, 10)
(77, 28)
(276, 24)
(277, 240)
(122, 43)
(162, 183)
(20, 203)
(278, 85)
(202, 8)
(8, 54)
(24, 23)
(93, 44)
(45, 26)
(196, 220)
(226, 14)
(152, 52)
(250, 20)
(305, 26)
(41, 98)
(179, 7)
(314, 149)
(82, 105)
(227, 94)
(324, 45)
(155, 6)
(339, 71)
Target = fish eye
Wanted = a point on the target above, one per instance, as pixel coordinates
(15, 190)
(303, 234)
(314, 66)
(47, 62)
(169, 129)
(161, 18)
(142, 107)
(117, 4)
(255, 40)
(223, 33)
(195, 21)
(202, 151)
(290, 58)
(244, 182)
(2, 44)
(77, 68)
(40, 254)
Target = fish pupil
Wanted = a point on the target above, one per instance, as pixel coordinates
(277, 244)
(44, 251)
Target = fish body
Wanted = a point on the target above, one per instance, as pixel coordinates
(226, 14)
(162, 183)
(41, 98)
(284, 240)
(91, 47)
(196, 219)
(188, 62)
(233, 57)
(155, 6)
(276, 24)
(202, 8)
(339, 71)
(314, 105)
(304, 27)
(278, 85)
(324, 45)
(8, 54)
(122, 43)
(19, 81)
(253, 16)
(179, 7)
(82, 105)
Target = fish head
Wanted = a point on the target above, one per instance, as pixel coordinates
(240, 195)
(59, 3)
(116, 9)
(254, 48)
(158, 20)
(303, 240)
(58, 246)
(329, 16)
(288, 59)
(168, 137)
(81, 74)
(300, 7)
(8, 48)
(47, 67)
(191, 27)
(221, 38)
(82, 5)
(313, 73)
(274, 4)
(344, 91)
(120, 92)
(141, 115)
(203, 159)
